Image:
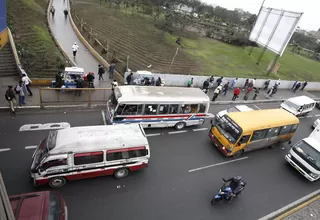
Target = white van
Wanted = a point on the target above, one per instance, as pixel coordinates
(86, 152)
(300, 105)
(237, 108)
(304, 156)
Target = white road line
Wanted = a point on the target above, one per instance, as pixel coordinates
(4, 149)
(317, 115)
(300, 117)
(200, 129)
(103, 117)
(309, 116)
(31, 147)
(217, 164)
(48, 126)
(151, 135)
(177, 132)
(257, 107)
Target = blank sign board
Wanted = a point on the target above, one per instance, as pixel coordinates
(274, 28)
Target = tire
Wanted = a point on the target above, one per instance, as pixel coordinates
(180, 125)
(275, 145)
(57, 182)
(214, 201)
(121, 173)
(238, 154)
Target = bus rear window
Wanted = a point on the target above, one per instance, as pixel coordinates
(55, 207)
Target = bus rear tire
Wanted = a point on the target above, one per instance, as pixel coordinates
(238, 154)
(180, 125)
(121, 173)
(57, 182)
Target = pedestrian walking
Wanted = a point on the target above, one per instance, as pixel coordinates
(216, 92)
(129, 79)
(52, 10)
(190, 82)
(304, 85)
(153, 81)
(65, 11)
(252, 82)
(296, 88)
(21, 89)
(294, 85)
(11, 98)
(225, 88)
(219, 81)
(27, 81)
(246, 96)
(75, 49)
(266, 84)
(114, 84)
(158, 82)
(90, 79)
(58, 80)
(233, 82)
(236, 93)
(245, 84)
(111, 70)
(79, 85)
(101, 71)
(211, 79)
(256, 93)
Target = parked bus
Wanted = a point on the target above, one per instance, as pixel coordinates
(238, 132)
(87, 152)
(153, 106)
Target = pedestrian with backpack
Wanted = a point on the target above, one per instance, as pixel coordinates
(80, 85)
(101, 71)
(11, 98)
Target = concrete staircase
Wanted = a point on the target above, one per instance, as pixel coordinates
(8, 65)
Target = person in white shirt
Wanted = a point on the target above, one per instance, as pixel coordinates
(75, 48)
(26, 81)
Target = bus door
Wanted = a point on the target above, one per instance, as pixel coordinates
(243, 142)
(258, 140)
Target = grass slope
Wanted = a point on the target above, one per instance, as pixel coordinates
(38, 52)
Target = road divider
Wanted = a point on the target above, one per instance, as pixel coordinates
(217, 164)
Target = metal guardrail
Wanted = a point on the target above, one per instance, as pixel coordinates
(6, 212)
(70, 96)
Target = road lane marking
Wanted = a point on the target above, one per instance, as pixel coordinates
(300, 117)
(151, 135)
(217, 164)
(4, 149)
(103, 117)
(309, 116)
(257, 107)
(48, 126)
(317, 115)
(200, 129)
(177, 132)
(31, 147)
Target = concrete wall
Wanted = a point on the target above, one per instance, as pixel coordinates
(182, 80)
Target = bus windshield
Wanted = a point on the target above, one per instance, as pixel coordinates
(291, 105)
(230, 130)
(308, 153)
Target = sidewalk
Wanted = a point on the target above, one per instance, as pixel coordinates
(306, 208)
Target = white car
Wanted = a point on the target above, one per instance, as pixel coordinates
(237, 108)
(316, 123)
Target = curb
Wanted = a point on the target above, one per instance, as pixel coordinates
(93, 52)
(31, 107)
(293, 207)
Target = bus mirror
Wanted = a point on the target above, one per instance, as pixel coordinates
(289, 142)
(239, 143)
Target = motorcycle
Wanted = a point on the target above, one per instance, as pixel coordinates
(225, 192)
(205, 91)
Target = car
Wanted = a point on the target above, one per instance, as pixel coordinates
(316, 123)
(237, 108)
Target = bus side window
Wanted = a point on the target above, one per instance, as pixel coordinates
(120, 109)
(294, 128)
(54, 163)
(114, 156)
(185, 109)
(137, 153)
(163, 109)
(174, 109)
(273, 132)
(285, 130)
(260, 134)
(194, 108)
(132, 110)
(202, 108)
(150, 109)
(88, 158)
(244, 139)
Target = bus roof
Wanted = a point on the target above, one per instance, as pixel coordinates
(96, 138)
(261, 119)
(156, 94)
(301, 100)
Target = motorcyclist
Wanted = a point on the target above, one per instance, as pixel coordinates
(235, 185)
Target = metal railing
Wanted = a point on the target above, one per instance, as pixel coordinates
(85, 97)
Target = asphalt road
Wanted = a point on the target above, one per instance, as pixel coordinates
(165, 190)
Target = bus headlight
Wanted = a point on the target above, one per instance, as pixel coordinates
(313, 175)
(289, 155)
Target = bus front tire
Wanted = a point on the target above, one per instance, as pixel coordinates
(57, 182)
(180, 125)
(121, 173)
(238, 153)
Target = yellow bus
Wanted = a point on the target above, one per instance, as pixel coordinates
(238, 132)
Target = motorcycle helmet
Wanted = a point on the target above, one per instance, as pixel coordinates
(238, 178)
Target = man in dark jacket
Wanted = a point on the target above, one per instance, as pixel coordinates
(90, 78)
(101, 71)
(11, 98)
(80, 84)
(129, 79)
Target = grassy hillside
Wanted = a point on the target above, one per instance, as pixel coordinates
(37, 50)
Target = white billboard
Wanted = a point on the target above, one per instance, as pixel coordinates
(274, 28)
